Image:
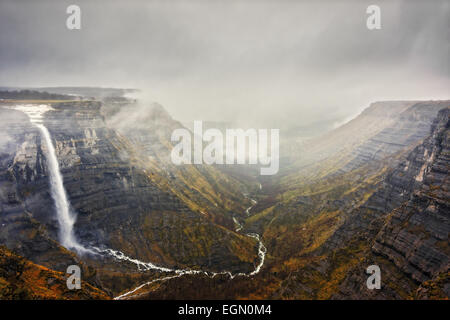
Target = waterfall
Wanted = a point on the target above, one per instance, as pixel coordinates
(66, 219)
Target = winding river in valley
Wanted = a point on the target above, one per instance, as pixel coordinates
(181, 272)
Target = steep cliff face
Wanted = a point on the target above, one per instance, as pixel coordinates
(109, 186)
(413, 242)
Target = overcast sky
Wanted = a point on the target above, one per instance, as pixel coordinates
(273, 63)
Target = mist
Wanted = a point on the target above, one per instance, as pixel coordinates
(254, 63)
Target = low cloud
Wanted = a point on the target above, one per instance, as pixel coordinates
(256, 63)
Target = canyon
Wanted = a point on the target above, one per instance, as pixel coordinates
(373, 191)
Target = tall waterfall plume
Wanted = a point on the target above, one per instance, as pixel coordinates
(66, 219)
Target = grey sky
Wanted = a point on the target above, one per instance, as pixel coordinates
(260, 62)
